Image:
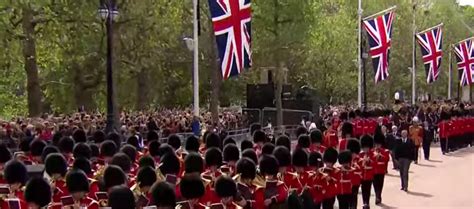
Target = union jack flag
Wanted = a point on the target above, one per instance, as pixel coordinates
(231, 20)
(465, 57)
(380, 41)
(431, 47)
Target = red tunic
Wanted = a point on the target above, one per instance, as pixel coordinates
(291, 181)
(382, 156)
(330, 181)
(87, 203)
(345, 181)
(60, 191)
(367, 164)
(342, 144)
(18, 195)
(281, 196)
(317, 148)
(357, 171)
(330, 138)
(317, 186)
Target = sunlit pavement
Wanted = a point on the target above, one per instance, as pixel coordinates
(444, 182)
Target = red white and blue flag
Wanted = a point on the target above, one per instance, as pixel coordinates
(431, 43)
(465, 58)
(231, 20)
(380, 41)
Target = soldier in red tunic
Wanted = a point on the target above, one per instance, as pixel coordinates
(36, 150)
(226, 189)
(56, 168)
(259, 138)
(113, 176)
(231, 155)
(78, 186)
(316, 142)
(5, 156)
(15, 177)
(146, 177)
(367, 164)
(304, 142)
(66, 146)
(300, 163)
(315, 180)
(330, 178)
(123, 161)
(163, 196)
(246, 186)
(443, 126)
(285, 172)
(346, 134)
(192, 190)
(274, 192)
(37, 193)
(121, 197)
(330, 137)
(382, 156)
(354, 147)
(346, 178)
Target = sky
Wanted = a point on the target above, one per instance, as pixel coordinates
(466, 2)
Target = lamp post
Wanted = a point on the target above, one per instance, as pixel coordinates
(108, 12)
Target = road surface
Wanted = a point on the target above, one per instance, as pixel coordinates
(444, 182)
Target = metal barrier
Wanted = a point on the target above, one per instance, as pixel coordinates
(254, 115)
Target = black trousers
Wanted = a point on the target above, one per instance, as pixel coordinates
(366, 189)
(317, 205)
(426, 148)
(355, 197)
(329, 203)
(378, 185)
(417, 150)
(344, 201)
(443, 145)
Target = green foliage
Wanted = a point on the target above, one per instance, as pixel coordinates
(316, 41)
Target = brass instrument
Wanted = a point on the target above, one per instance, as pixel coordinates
(100, 172)
(159, 175)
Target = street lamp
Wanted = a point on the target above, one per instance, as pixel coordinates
(108, 12)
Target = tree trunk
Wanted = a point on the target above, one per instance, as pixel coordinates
(142, 89)
(31, 67)
(83, 95)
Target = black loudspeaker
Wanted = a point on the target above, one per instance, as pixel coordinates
(260, 95)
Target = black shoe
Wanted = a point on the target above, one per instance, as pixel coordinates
(402, 188)
(405, 189)
(366, 207)
(378, 201)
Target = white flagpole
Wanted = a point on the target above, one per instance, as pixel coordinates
(196, 60)
(413, 67)
(450, 71)
(359, 57)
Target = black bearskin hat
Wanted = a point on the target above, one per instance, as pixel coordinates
(283, 140)
(121, 197)
(15, 172)
(113, 176)
(48, 150)
(259, 137)
(330, 155)
(267, 148)
(170, 164)
(36, 147)
(213, 157)
(315, 159)
(345, 157)
(299, 158)
(146, 176)
(82, 164)
(366, 142)
(165, 149)
(57, 137)
(5, 154)
(379, 139)
(99, 136)
(213, 140)
(346, 129)
(152, 136)
(153, 148)
(133, 141)
(300, 131)
(115, 137)
(77, 181)
(225, 187)
(38, 191)
(229, 140)
(316, 136)
(192, 144)
(130, 151)
(174, 141)
(250, 153)
(268, 165)
(231, 153)
(95, 150)
(283, 155)
(246, 144)
(55, 164)
(79, 136)
(352, 115)
(343, 116)
(246, 168)
(353, 145)
(66, 144)
(191, 186)
(82, 150)
(108, 148)
(163, 195)
(304, 141)
(146, 161)
(123, 161)
(254, 127)
(193, 163)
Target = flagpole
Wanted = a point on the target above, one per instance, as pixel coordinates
(450, 70)
(381, 12)
(413, 90)
(464, 40)
(437, 26)
(196, 60)
(359, 57)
